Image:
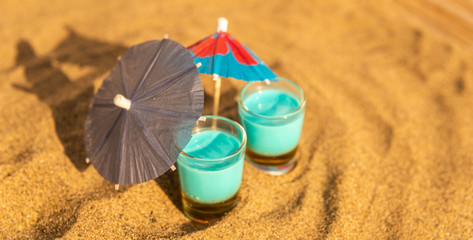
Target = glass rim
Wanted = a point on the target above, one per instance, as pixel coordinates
(297, 110)
(221, 159)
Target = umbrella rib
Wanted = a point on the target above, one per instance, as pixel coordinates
(155, 143)
(120, 149)
(102, 142)
(165, 83)
(150, 67)
(168, 112)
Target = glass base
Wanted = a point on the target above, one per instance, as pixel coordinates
(273, 165)
(203, 212)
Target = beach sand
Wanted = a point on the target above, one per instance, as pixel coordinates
(385, 153)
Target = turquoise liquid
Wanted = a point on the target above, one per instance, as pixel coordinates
(269, 136)
(210, 179)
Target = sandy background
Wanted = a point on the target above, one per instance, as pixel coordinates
(386, 151)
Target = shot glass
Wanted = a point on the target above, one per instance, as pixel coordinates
(272, 113)
(210, 168)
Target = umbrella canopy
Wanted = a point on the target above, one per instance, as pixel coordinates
(222, 55)
(143, 111)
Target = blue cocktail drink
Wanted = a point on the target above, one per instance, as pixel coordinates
(272, 114)
(210, 168)
(211, 182)
(283, 136)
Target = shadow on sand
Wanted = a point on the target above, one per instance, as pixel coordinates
(69, 101)
(67, 98)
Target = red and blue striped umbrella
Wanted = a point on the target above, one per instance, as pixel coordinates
(222, 55)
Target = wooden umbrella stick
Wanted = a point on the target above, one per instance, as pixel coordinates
(222, 26)
(218, 84)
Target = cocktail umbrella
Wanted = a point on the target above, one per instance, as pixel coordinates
(143, 111)
(221, 55)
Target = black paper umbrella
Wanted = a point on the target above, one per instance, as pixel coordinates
(143, 111)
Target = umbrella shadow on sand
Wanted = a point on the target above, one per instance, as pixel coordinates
(69, 101)
(67, 98)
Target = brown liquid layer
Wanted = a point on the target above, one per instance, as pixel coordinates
(203, 212)
(271, 160)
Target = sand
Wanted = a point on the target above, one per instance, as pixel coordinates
(386, 150)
